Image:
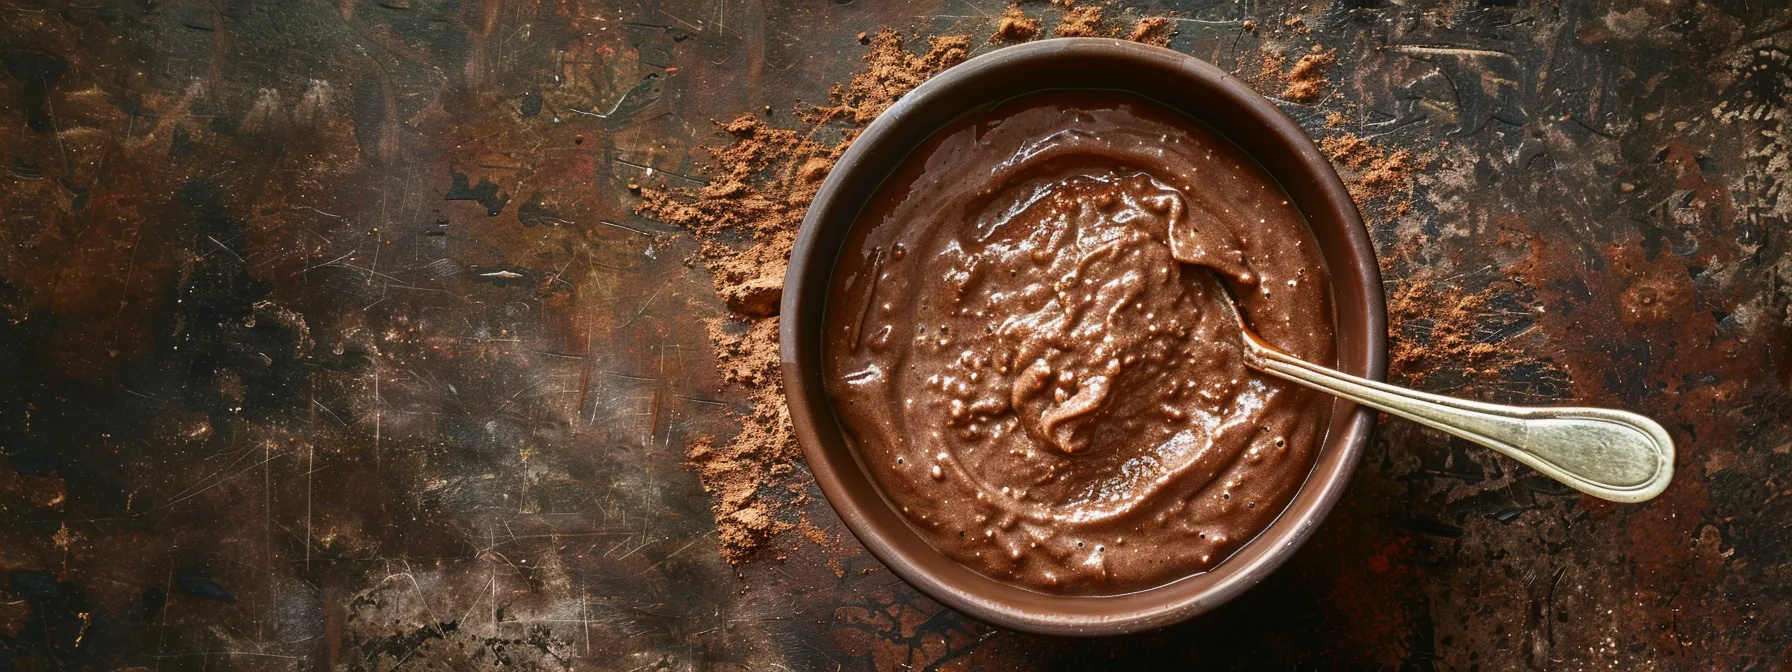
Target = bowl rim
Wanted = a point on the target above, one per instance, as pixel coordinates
(823, 440)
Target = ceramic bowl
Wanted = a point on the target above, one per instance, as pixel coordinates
(1182, 82)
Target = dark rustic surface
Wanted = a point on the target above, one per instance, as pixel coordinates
(328, 340)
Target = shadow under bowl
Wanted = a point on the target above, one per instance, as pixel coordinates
(1184, 83)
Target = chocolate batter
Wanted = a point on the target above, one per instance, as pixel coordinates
(1023, 341)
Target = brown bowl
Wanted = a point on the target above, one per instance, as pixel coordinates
(1183, 82)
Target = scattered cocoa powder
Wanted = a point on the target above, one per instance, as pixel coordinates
(1015, 27)
(745, 218)
(1377, 178)
(1387, 176)
(1445, 336)
(827, 543)
(815, 534)
(1153, 30)
(1269, 78)
(890, 71)
(760, 182)
(1306, 80)
(1089, 21)
(1082, 21)
(764, 453)
(1349, 150)
(1441, 328)
(1451, 321)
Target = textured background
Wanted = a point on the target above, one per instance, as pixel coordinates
(328, 339)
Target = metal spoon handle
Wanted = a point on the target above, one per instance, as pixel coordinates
(1609, 454)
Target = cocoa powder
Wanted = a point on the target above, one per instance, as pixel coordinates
(890, 71)
(1306, 80)
(1015, 27)
(1082, 21)
(761, 181)
(1153, 30)
(1091, 21)
(1440, 330)
(1379, 180)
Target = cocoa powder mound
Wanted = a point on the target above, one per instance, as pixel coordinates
(1306, 80)
(1082, 21)
(1090, 21)
(1015, 27)
(1153, 30)
(745, 219)
(1269, 78)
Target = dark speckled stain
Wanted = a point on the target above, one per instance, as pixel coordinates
(241, 355)
(22, 377)
(370, 114)
(503, 652)
(25, 168)
(57, 427)
(195, 583)
(37, 73)
(401, 644)
(485, 193)
(268, 403)
(60, 627)
(534, 213)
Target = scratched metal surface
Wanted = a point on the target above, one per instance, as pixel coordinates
(330, 341)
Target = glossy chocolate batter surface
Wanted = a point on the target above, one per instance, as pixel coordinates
(1024, 341)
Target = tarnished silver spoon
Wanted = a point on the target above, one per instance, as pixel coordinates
(1609, 454)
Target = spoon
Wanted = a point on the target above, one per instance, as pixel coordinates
(1609, 454)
